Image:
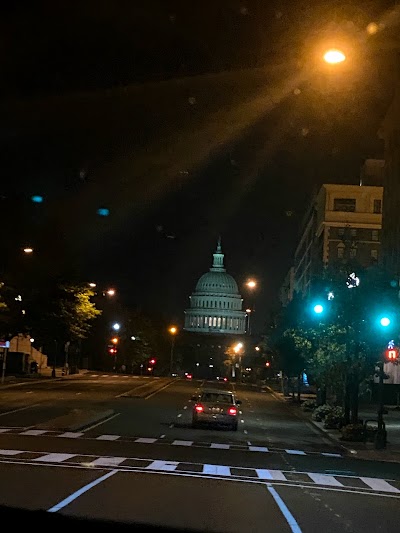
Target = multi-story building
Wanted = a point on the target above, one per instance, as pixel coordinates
(342, 224)
(390, 133)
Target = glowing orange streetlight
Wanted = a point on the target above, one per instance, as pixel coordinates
(173, 330)
(28, 250)
(251, 284)
(114, 340)
(334, 56)
(111, 292)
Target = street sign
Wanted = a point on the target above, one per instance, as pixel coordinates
(4, 344)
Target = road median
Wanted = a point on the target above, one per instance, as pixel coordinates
(76, 419)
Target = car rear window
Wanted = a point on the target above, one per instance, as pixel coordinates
(215, 397)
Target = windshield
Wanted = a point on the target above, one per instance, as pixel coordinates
(199, 264)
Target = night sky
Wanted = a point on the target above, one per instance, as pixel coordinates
(186, 120)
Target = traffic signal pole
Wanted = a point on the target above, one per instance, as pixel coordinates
(381, 435)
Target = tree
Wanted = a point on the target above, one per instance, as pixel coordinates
(77, 312)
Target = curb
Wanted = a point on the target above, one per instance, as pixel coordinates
(321, 430)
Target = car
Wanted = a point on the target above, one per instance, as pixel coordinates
(217, 407)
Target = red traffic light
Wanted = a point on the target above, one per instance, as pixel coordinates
(392, 354)
(112, 351)
(267, 363)
(152, 361)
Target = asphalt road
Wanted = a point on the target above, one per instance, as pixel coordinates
(122, 448)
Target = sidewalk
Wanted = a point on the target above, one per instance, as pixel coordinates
(44, 374)
(358, 450)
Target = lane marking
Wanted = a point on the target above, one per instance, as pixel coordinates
(218, 446)
(241, 446)
(71, 434)
(324, 479)
(168, 466)
(34, 432)
(182, 442)
(185, 407)
(290, 519)
(54, 457)
(10, 452)
(178, 416)
(108, 461)
(217, 470)
(158, 390)
(276, 475)
(101, 422)
(79, 492)
(295, 452)
(379, 484)
(19, 409)
(145, 440)
(224, 472)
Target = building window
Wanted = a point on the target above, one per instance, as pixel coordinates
(353, 232)
(374, 254)
(340, 252)
(219, 322)
(215, 321)
(341, 232)
(353, 252)
(375, 235)
(344, 204)
(378, 206)
(206, 320)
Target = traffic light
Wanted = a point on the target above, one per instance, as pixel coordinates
(392, 354)
(152, 361)
(112, 350)
(267, 363)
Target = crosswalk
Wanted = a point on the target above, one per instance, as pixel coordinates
(163, 440)
(332, 481)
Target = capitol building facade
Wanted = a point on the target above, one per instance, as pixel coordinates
(215, 304)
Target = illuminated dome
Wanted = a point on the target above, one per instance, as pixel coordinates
(217, 282)
(216, 305)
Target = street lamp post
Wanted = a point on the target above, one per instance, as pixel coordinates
(53, 372)
(251, 284)
(173, 330)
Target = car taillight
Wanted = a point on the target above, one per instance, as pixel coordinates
(199, 408)
(232, 411)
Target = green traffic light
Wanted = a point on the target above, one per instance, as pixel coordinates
(384, 321)
(318, 309)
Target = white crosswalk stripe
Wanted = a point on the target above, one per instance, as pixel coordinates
(341, 482)
(54, 457)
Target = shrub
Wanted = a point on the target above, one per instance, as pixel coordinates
(353, 432)
(334, 419)
(309, 405)
(320, 412)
